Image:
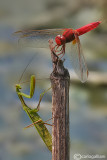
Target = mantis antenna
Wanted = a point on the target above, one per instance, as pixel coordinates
(26, 67)
(25, 71)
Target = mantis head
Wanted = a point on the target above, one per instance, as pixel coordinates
(18, 86)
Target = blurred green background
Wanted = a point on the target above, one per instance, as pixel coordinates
(88, 102)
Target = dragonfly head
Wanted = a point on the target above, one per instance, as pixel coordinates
(60, 40)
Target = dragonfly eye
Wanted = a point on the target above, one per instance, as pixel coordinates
(60, 40)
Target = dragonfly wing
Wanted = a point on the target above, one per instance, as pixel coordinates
(37, 38)
(78, 61)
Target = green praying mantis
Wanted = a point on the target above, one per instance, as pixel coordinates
(32, 113)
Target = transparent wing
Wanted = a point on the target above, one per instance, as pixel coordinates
(37, 38)
(78, 61)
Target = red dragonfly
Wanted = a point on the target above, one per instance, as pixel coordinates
(40, 38)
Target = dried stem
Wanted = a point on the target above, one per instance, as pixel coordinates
(60, 108)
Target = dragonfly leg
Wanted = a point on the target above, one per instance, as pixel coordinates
(62, 51)
(56, 50)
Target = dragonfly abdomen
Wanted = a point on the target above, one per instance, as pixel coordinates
(87, 28)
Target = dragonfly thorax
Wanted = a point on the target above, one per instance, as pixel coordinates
(60, 40)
